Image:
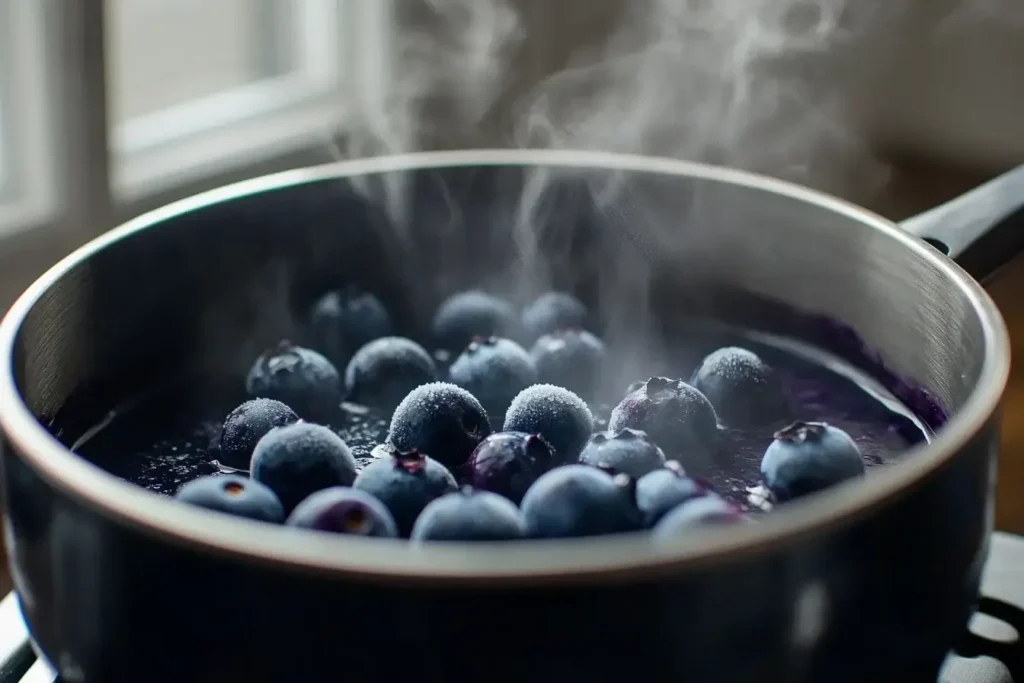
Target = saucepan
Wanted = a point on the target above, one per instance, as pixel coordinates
(872, 581)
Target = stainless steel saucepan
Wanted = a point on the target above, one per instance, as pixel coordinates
(872, 581)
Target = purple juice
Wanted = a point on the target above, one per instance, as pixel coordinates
(160, 449)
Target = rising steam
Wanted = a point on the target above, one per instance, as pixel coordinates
(738, 82)
(724, 80)
(447, 73)
(743, 83)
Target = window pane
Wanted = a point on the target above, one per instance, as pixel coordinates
(169, 52)
(6, 147)
(3, 146)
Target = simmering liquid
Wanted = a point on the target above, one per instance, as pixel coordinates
(160, 450)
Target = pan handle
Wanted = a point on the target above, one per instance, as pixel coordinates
(982, 230)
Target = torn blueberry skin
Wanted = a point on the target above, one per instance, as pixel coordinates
(553, 311)
(557, 414)
(708, 510)
(573, 359)
(629, 451)
(246, 425)
(469, 314)
(494, 370)
(300, 459)
(441, 420)
(662, 490)
(675, 415)
(405, 483)
(344, 510)
(301, 378)
(469, 515)
(343, 321)
(234, 495)
(507, 463)
(745, 391)
(807, 457)
(384, 371)
(579, 500)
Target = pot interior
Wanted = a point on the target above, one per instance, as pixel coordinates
(189, 296)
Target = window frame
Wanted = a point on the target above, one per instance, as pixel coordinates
(80, 188)
(167, 147)
(27, 187)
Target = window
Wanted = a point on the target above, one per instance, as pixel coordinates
(26, 182)
(110, 105)
(193, 83)
(4, 179)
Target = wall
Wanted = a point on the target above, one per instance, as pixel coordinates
(942, 79)
(954, 86)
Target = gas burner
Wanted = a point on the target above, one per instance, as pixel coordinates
(992, 652)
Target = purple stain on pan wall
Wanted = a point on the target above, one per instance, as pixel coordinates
(821, 331)
(844, 342)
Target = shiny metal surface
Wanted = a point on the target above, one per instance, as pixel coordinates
(995, 654)
(140, 304)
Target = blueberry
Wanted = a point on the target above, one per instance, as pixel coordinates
(383, 371)
(553, 311)
(469, 314)
(300, 459)
(675, 415)
(234, 495)
(507, 463)
(300, 378)
(341, 322)
(343, 510)
(573, 359)
(441, 420)
(405, 483)
(806, 457)
(629, 451)
(662, 490)
(247, 424)
(744, 390)
(494, 370)
(578, 500)
(557, 414)
(705, 510)
(469, 515)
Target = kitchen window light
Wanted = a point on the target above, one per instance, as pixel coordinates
(26, 159)
(109, 107)
(224, 79)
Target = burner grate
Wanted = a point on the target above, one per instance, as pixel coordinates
(992, 653)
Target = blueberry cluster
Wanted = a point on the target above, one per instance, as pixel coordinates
(500, 444)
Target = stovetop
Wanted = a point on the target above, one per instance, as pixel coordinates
(993, 651)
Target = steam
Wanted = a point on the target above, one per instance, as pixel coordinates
(762, 85)
(695, 80)
(447, 73)
(741, 83)
(744, 83)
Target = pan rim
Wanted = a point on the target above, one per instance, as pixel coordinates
(603, 558)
